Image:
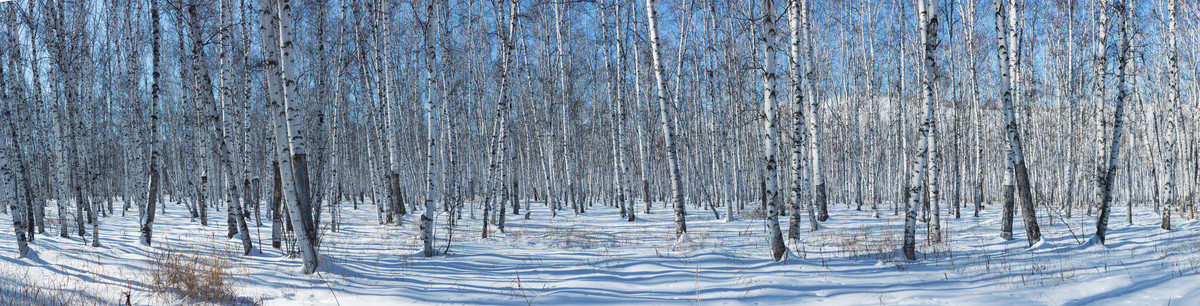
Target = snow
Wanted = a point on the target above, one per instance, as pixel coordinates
(598, 258)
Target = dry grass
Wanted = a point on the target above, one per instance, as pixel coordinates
(196, 278)
(23, 289)
(861, 245)
(575, 237)
(23, 294)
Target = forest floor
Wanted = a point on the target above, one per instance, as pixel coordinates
(597, 258)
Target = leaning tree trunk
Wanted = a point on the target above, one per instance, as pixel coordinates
(668, 128)
(235, 208)
(11, 180)
(497, 155)
(1012, 130)
(289, 141)
(1109, 171)
(1006, 214)
(295, 135)
(22, 201)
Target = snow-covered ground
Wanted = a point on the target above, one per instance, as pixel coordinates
(597, 258)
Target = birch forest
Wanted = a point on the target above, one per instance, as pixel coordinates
(844, 152)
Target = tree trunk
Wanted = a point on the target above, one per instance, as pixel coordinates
(1109, 171)
(276, 203)
(1099, 67)
(12, 179)
(430, 104)
(668, 129)
(237, 216)
(1171, 120)
(1012, 131)
(928, 21)
(774, 238)
(152, 193)
(288, 137)
(820, 198)
(800, 182)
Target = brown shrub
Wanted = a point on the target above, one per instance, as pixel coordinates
(204, 279)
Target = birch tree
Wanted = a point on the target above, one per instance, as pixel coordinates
(928, 21)
(814, 137)
(797, 9)
(569, 193)
(1099, 68)
(1016, 154)
(383, 71)
(668, 129)
(499, 147)
(430, 60)
(14, 161)
(1108, 172)
(14, 180)
(147, 220)
(617, 115)
(1169, 138)
(968, 13)
(235, 208)
(289, 140)
(774, 238)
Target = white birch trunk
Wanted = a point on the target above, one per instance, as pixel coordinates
(430, 104)
(800, 184)
(901, 113)
(13, 180)
(1109, 171)
(569, 193)
(768, 40)
(227, 103)
(383, 71)
(1020, 170)
(622, 114)
(287, 147)
(1099, 67)
(927, 19)
(820, 200)
(22, 201)
(668, 128)
(498, 151)
(152, 192)
(202, 92)
(1169, 139)
(968, 12)
(641, 138)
